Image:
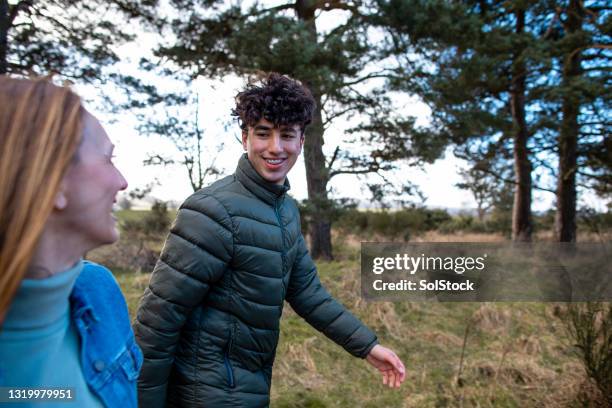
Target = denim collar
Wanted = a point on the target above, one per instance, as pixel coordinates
(252, 181)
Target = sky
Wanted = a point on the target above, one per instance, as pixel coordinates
(436, 181)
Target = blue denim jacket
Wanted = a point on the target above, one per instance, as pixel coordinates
(110, 358)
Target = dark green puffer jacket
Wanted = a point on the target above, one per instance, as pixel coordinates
(208, 323)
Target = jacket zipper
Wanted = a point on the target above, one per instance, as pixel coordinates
(226, 360)
(283, 253)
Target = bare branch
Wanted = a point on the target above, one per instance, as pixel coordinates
(373, 167)
(273, 9)
(362, 171)
(378, 74)
(54, 21)
(331, 118)
(333, 158)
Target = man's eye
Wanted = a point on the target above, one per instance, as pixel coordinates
(261, 134)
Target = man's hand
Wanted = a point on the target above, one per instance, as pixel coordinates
(389, 364)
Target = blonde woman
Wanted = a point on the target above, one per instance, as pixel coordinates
(63, 321)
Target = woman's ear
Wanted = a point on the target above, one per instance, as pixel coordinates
(61, 200)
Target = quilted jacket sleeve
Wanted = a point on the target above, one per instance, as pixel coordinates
(312, 302)
(196, 254)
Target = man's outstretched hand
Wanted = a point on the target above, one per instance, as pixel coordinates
(389, 364)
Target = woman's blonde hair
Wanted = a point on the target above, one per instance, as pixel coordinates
(40, 130)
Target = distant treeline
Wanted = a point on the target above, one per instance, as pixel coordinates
(407, 223)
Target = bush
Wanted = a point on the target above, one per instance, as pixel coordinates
(458, 223)
(141, 238)
(391, 224)
(592, 221)
(589, 326)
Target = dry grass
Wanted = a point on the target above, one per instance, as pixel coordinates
(514, 355)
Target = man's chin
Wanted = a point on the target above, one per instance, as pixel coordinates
(275, 180)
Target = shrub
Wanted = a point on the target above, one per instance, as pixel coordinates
(140, 242)
(589, 326)
(391, 224)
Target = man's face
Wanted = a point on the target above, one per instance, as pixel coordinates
(272, 150)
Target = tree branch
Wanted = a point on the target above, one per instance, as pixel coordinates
(22, 5)
(599, 177)
(373, 168)
(273, 9)
(328, 5)
(362, 171)
(54, 21)
(510, 181)
(333, 158)
(552, 23)
(586, 47)
(330, 118)
(378, 74)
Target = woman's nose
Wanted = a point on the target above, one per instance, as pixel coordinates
(122, 181)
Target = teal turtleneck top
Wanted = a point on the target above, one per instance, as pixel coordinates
(40, 345)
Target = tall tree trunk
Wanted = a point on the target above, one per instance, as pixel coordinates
(521, 210)
(317, 178)
(565, 217)
(4, 27)
(317, 175)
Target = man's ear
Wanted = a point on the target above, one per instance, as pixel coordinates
(302, 141)
(245, 134)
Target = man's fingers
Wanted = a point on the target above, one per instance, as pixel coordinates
(402, 370)
(399, 366)
(391, 379)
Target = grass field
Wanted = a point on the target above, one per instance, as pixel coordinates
(514, 354)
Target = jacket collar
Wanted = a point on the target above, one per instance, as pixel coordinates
(252, 181)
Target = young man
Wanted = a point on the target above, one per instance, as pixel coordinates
(208, 323)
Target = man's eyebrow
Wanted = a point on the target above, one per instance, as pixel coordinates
(262, 127)
(289, 129)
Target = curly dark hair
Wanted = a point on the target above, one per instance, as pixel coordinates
(278, 99)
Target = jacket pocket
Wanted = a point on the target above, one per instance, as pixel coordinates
(226, 360)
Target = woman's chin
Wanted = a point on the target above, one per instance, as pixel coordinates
(114, 235)
(109, 237)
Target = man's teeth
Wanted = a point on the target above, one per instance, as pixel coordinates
(274, 161)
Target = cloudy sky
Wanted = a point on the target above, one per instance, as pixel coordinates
(436, 181)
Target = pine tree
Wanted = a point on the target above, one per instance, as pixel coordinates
(502, 75)
(339, 65)
(73, 39)
(584, 146)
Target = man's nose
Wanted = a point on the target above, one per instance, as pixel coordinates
(274, 144)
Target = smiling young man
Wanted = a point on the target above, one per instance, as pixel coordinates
(208, 323)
